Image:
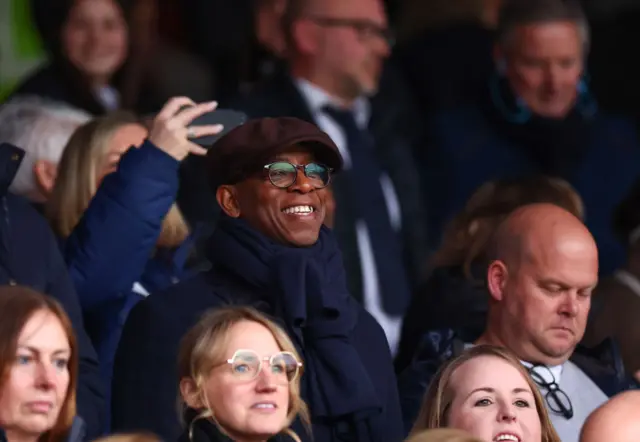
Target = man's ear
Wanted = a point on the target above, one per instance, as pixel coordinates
(305, 36)
(228, 200)
(497, 276)
(191, 394)
(45, 173)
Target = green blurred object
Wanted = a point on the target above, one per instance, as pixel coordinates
(21, 48)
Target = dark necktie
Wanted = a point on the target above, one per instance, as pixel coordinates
(370, 206)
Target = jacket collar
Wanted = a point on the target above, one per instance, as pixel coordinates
(10, 160)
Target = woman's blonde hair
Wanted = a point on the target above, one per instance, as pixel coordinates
(443, 435)
(130, 437)
(84, 157)
(439, 397)
(468, 235)
(203, 347)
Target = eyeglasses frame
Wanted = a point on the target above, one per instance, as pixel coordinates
(268, 359)
(361, 26)
(553, 390)
(297, 167)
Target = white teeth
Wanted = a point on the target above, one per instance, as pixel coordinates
(507, 437)
(298, 209)
(267, 406)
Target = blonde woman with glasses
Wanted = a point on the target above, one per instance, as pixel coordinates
(239, 379)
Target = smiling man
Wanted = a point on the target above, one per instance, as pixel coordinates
(270, 250)
(335, 76)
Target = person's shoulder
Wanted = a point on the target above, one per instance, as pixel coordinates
(274, 96)
(367, 323)
(603, 365)
(21, 205)
(613, 119)
(23, 216)
(202, 291)
(467, 114)
(265, 88)
(170, 312)
(369, 335)
(616, 136)
(188, 294)
(42, 82)
(462, 131)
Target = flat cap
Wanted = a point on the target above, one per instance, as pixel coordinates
(244, 150)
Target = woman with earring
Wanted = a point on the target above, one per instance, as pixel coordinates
(537, 117)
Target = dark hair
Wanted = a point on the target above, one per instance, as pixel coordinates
(50, 17)
(17, 305)
(468, 235)
(515, 13)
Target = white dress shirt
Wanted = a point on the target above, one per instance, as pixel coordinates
(316, 98)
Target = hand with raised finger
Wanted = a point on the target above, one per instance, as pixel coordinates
(170, 129)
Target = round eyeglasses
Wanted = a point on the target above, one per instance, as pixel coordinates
(247, 364)
(283, 174)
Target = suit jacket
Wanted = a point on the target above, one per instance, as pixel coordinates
(615, 315)
(395, 130)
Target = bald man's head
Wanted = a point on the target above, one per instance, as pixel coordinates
(544, 269)
(617, 420)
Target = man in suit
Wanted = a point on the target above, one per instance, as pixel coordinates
(335, 78)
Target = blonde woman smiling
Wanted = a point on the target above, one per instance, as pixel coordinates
(487, 392)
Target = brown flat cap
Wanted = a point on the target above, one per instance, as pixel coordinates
(244, 150)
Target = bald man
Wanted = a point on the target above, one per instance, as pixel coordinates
(617, 420)
(544, 268)
(335, 53)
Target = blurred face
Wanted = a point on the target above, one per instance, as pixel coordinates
(544, 66)
(493, 401)
(253, 409)
(125, 137)
(291, 216)
(268, 29)
(546, 299)
(95, 38)
(350, 46)
(31, 398)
